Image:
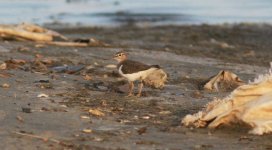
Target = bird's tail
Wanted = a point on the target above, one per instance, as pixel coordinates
(156, 66)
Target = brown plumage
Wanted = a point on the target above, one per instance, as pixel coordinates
(130, 66)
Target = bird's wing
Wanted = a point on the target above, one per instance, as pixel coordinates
(130, 66)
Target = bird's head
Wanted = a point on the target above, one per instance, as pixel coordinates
(120, 56)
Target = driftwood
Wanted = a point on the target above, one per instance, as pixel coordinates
(28, 32)
(250, 104)
(157, 79)
(223, 80)
(31, 32)
(65, 44)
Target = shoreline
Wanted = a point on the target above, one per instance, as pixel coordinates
(189, 54)
(59, 25)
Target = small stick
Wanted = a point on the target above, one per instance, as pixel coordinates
(38, 137)
(64, 43)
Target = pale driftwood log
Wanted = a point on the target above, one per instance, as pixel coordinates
(27, 31)
(17, 31)
(250, 104)
(37, 29)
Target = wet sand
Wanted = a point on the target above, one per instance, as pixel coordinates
(189, 54)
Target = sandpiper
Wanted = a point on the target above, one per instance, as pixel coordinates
(133, 70)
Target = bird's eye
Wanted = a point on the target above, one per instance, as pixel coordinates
(120, 55)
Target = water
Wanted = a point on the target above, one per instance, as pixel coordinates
(115, 12)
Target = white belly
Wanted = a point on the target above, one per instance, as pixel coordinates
(136, 76)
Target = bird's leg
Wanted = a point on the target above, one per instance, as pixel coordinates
(140, 87)
(131, 87)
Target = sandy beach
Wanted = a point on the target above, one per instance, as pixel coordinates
(189, 54)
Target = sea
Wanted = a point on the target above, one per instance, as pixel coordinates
(144, 12)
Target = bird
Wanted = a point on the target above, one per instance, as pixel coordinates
(133, 71)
